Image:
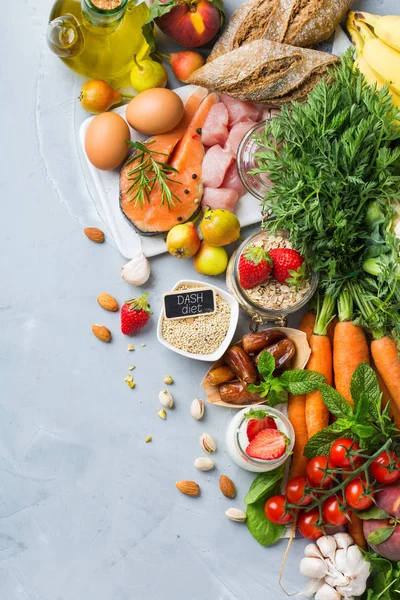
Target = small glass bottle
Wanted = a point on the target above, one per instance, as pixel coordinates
(237, 441)
(257, 184)
(98, 38)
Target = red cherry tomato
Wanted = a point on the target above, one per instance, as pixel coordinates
(381, 470)
(315, 471)
(354, 494)
(307, 524)
(275, 510)
(340, 456)
(332, 513)
(295, 491)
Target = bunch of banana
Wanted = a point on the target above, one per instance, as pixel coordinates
(377, 43)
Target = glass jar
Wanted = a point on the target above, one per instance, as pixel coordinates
(259, 184)
(260, 313)
(237, 441)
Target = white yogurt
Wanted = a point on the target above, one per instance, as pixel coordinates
(236, 440)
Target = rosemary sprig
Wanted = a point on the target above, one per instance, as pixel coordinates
(147, 173)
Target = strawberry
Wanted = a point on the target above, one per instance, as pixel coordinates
(254, 267)
(258, 421)
(269, 444)
(288, 266)
(134, 314)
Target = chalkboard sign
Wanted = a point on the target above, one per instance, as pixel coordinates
(189, 303)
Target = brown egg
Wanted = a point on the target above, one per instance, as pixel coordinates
(155, 111)
(105, 141)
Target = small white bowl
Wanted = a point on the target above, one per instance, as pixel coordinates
(233, 305)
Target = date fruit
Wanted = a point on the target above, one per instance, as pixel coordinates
(241, 364)
(235, 392)
(255, 342)
(283, 351)
(219, 375)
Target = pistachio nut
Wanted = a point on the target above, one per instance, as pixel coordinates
(197, 409)
(236, 514)
(166, 399)
(207, 442)
(204, 463)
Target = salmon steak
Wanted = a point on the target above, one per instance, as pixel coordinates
(183, 150)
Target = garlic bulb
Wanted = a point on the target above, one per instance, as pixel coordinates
(137, 271)
(336, 567)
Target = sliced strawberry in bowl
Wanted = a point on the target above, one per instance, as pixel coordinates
(258, 420)
(269, 444)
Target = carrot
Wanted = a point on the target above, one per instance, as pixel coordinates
(317, 415)
(393, 410)
(331, 329)
(307, 324)
(355, 529)
(297, 417)
(385, 354)
(350, 349)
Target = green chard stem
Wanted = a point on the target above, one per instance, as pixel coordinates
(325, 314)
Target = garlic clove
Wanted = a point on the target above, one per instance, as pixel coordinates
(326, 592)
(327, 545)
(166, 399)
(311, 588)
(359, 583)
(343, 540)
(355, 558)
(312, 551)
(204, 463)
(197, 409)
(313, 567)
(137, 271)
(338, 580)
(342, 563)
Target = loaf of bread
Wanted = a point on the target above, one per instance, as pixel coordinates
(265, 72)
(301, 23)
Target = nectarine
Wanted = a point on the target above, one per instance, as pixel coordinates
(191, 23)
(388, 499)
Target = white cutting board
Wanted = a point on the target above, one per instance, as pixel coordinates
(106, 199)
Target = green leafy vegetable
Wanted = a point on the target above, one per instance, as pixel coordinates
(386, 579)
(263, 484)
(364, 385)
(266, 364)
(265, 532)
(301, 382)
(334, 402)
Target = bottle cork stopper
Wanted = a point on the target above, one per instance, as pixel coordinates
(106, 4)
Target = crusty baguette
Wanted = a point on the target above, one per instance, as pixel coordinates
(265, 72)
(301, 23)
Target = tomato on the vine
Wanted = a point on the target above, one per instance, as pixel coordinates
(340, 453)
(316, 471)
(332, 513)
(354, 494)
(380, 467)
(295, 493)
(275, 510)
(307, 524)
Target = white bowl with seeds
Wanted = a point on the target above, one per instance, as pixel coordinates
(205, 337)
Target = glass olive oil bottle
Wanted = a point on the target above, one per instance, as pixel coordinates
(98, 38)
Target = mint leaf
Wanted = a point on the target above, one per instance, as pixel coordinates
(335, 403)
(301, 382)
(372, 513)
(380, 535)
(266, 364)
(321, 442)
(265, 532)
(363, 431)
(262, 389)
(277, 397)
(263, 484)
(364, 387)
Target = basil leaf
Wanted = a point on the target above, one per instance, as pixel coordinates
(363, 431)
(263, 484)
(265, 532)
(321, 442)
(301, 382)
(380, 535)
(334, 402)
(372, 513)
(266, 364)
(364, 387)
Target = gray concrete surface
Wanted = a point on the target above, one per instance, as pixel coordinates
(87, 509)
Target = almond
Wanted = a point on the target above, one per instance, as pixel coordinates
(227, 486)
(102, 333)
(107, 302)
(190, 488)
(94, 234)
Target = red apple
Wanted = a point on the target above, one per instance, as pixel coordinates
(191, 23)
(185, 63)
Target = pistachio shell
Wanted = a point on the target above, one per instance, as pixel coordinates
(197, 409)
(166, 398)
(236, 514)
(208, 443)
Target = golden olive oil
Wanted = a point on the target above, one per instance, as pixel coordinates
(98, 43)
